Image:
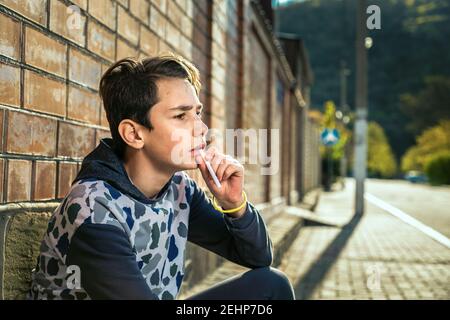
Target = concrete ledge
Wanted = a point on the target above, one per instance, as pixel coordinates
(311, 199)
(22, 226)
(21, 236)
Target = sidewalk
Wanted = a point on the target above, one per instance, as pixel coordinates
(375, 256)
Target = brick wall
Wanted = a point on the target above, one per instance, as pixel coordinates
(52, 55)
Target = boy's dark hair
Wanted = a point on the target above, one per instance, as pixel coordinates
(128, 89)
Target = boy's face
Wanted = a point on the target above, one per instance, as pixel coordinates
(177, 126)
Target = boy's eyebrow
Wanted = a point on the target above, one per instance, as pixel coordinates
(186, 108)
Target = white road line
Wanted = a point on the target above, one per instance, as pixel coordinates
(408, 219)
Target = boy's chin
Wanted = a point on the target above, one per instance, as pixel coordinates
(188, 165)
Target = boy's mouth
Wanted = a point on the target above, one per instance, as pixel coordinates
(199, 147)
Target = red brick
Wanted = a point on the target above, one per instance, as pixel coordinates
(68, 21)
(81, 3)
(9, 85)
(218, 35)
(104, 11)
(190, 9)
(34, 10)
(105, 67)
(173, 36)
(123, 3)
(83, 105)
(2, 176)
(187, 26)
(2, 115)
(9, 37)
(29, 134)
(103, 119)
(157, 22)
(201, 20)
(100, 134)
(128, 26)
(75, 141)
(160, 4)
(200, 41)
(45, 53)
(101, 41)
(218, 52)
(124, 50)
(186, 47)
(218, 89)
(19, 180)
(182, 4)
(164, 47)
(175, 13)
(148, 42)
(140, 9)
(67, 173)
(84, 69)
(44, 94)
(217, 108)
(44, 180)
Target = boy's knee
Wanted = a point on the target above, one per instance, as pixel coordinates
(279, 284)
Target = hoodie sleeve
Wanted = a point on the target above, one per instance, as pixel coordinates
(107, 264)
(242, 240)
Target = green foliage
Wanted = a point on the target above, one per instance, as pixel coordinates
(429, 105)
(380, 159)
(431, 142)
(437, 168)
(412, 44)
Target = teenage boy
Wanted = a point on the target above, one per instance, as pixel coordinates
(123, 226)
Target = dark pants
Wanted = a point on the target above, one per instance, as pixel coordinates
(257, 284)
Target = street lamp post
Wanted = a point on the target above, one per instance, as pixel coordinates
(360, 131)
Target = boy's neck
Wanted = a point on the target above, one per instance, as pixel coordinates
(148, 178)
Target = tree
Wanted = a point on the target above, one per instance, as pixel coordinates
(432, 141)
(437, 168)
(429, 105)
(413, 43)
(380, 160)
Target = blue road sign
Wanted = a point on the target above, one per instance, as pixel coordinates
(330, 137)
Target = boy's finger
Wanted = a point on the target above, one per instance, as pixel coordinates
(200, 162)
(203, 169)
(230, 171)
(221, 169)
(209, 154)
(216, 161)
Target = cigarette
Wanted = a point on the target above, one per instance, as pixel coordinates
(211, 171)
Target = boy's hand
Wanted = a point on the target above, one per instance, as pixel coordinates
(231, 176)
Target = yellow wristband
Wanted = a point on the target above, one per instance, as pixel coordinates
(218, 208)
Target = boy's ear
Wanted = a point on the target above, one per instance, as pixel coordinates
(131, 133)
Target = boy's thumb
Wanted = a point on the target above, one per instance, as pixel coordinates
(202, 166)
(200, 161)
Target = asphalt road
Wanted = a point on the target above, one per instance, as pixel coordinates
(428, 204)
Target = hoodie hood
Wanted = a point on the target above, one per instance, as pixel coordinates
(104, 164)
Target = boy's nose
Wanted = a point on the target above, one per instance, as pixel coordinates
(200, 128)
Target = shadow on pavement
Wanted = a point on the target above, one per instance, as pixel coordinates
(305, 287)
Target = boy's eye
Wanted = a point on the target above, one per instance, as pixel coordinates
(182, 115)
